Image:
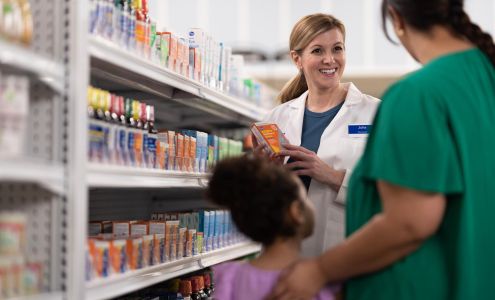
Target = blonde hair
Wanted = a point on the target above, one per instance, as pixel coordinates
(305, 30)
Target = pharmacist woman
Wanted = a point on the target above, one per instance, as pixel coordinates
(326, 121)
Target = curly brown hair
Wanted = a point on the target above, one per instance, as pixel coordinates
(258, 193)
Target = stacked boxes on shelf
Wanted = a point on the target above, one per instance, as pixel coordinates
(117, 246)
(122, 132)
(19, 275)
(197, 56)
(14, 109)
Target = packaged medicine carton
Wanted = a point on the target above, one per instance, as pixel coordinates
(269, 136)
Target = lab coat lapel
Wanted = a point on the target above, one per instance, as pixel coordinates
(353, 97)
(296, 118)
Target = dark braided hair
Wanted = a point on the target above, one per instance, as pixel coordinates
(258, 193)
(423, 14)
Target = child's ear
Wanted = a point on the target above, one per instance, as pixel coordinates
(296, 212)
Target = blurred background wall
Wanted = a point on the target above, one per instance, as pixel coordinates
(260, 29)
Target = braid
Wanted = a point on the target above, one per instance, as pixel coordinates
(461, 23)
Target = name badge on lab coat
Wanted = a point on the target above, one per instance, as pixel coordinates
(357, 130)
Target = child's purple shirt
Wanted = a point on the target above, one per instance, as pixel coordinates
(242, 281)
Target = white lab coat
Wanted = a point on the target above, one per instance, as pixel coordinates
(339, 149)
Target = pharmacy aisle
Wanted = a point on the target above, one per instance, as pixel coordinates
(150, 114)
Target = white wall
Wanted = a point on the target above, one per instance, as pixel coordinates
(266, 25)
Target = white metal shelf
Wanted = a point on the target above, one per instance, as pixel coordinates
(134, 280)
(108, 52)
(108, 176)
(49, 176)
(44, 296)
(25, 60)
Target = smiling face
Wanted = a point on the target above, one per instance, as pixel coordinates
(323, 60)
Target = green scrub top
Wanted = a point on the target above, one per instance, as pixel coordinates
(435, 132)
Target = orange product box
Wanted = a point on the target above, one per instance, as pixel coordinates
(187, 152)
(192, 155)
(171, 150)
(99, 251)
(269, 136)
(135, 252)
(173, 57)
(171, 238)
(118, 256)
(179, 154)
(160, 155)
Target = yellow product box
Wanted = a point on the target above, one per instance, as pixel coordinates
(269, 136)
(198, 247)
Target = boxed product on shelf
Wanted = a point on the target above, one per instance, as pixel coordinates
(139, 228)
(148, 250)
(16, 21)
(14, 108)
(121, 228)
(135, 251)
(12, 233)
(100, 253)
(118, 256)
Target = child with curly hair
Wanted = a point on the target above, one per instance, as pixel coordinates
(269, 205)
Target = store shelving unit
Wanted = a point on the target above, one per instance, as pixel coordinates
(134, 280)
(112, 63)
(46, 296)
(34, 180)
(106, 176)
(29, 62)
(126, 73)
(52, 181)
(47, 176)
(101, 191)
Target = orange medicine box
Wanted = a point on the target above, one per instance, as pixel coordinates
(269, 136)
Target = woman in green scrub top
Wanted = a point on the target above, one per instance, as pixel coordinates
(421, 202)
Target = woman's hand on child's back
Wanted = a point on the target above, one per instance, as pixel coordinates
(303, 280)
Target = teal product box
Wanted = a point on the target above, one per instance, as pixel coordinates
(211, 230)
(195, 221)
(183, 220)
(204, 226)
(203, 140)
